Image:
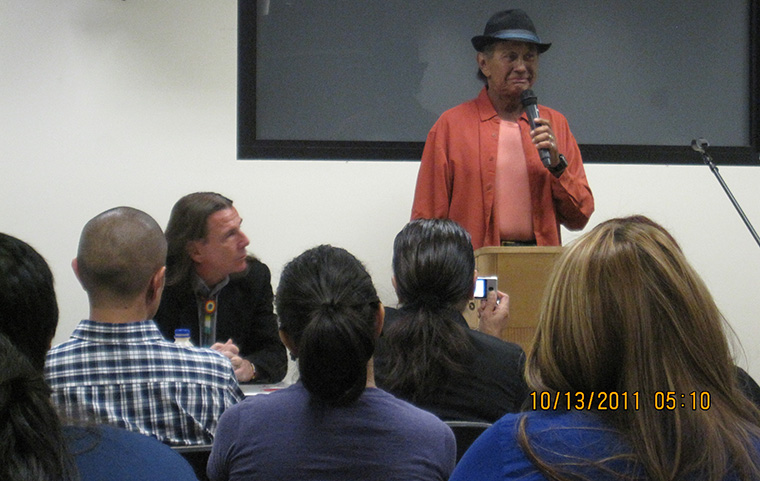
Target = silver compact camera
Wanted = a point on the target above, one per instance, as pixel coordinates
(484, 285)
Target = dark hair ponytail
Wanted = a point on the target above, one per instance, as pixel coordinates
(433, 265)
(32, 445)
(328, 305)
(333, 355)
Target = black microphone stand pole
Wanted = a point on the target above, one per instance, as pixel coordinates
(699, 146)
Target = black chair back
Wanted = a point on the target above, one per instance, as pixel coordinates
(197, 456)
(466, 432)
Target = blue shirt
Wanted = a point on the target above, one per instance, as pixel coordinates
(129, 376)
(557, 437)
(288, 436)
(104, 453)
(575, 438)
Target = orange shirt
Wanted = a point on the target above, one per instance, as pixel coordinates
(457, 175)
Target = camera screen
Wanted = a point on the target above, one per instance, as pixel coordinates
(483, 285)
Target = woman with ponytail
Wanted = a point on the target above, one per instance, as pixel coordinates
(428, 355)
(334, 424)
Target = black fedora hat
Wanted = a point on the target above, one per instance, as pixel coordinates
(509, 25)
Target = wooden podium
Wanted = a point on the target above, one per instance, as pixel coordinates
(523, 273)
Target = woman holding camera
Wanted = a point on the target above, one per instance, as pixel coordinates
(428, 355)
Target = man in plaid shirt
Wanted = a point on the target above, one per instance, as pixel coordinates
(116, 367)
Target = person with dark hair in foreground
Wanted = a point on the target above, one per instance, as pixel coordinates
(428, 355)
(334, 424)
(117, 368)
(33, 443)
(27, 299)
(631, 370)
(219, 291)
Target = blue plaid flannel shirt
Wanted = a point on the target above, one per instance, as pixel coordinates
(129, 376)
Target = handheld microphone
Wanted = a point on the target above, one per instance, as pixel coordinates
(530, 104)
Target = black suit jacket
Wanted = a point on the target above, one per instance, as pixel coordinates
(492, 386)
(245, 314)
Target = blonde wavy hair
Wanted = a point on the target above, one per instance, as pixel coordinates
(625, 312)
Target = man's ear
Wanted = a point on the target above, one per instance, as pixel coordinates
(482, 64)
(156, 285)
(194, 251)
(75, 268)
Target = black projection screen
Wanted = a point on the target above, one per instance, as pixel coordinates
(353, 80)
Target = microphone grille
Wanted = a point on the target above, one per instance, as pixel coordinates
(527, 97)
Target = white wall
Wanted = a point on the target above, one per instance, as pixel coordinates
(108, 102)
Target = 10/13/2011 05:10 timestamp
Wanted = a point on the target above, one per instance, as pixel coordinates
(614, 401)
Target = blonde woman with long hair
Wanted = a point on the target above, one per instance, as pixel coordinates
(631, 372)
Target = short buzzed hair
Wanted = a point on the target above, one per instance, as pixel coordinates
(119, 251)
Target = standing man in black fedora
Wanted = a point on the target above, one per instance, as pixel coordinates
(481, 165)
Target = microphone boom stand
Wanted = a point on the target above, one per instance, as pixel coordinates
(699, 147)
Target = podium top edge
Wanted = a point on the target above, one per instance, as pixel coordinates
(518, 250)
